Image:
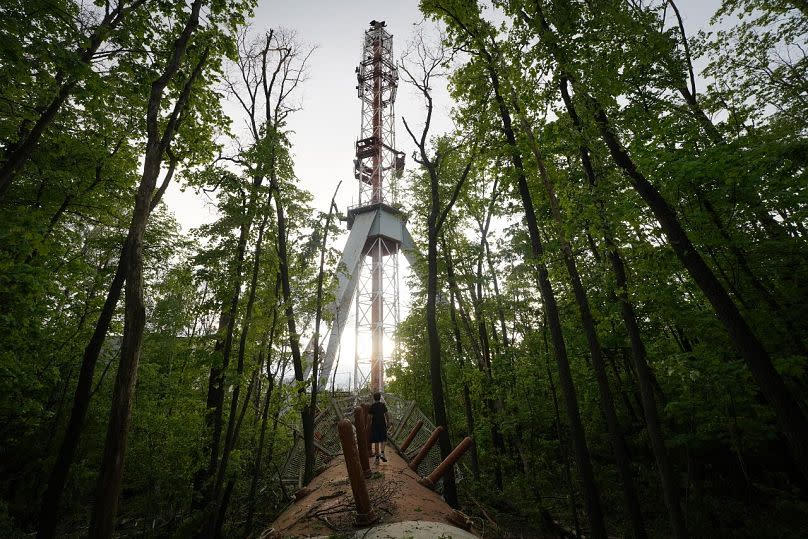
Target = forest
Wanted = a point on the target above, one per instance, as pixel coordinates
(613, 278)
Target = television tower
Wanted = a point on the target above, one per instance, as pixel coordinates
(369, 265)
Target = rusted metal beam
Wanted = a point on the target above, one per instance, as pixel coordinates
(447, 463)
(425, 448)
(364, 513)
(411, 436)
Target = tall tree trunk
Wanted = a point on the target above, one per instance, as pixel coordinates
(435, 220)
(485, 368)
(455, 294)
(289, 311)
(49, 511)
(202, 481)
(231, 434)
(207, 486)
(433, 340)
(110, 477)
(588, 324)
(315, 376)
(467, 408)
(264, 415)
(645, 376)
(562, 440)
(584, 464)
(222, 512)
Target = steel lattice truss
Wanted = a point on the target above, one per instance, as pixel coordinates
(368, 270)
(333, 407)
(377, 162)
(384, 298)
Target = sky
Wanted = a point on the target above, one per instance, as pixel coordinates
(325, 129)
(327, 126)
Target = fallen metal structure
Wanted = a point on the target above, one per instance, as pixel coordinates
(405, 415)
(398, 497)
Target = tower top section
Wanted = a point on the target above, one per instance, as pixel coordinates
(377, 164)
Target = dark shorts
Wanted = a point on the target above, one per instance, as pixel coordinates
(378, 434)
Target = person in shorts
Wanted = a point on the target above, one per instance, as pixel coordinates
(380, 420)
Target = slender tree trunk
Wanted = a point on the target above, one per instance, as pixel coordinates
(435, 220)
(231, 434)
(485, 368)
(595, 351)
(645, 376)
(503, 327)
(81, 402)
(222, 512)
(202, 483)
(289, 311)
(433, 340)
(455, 294)
(315, 376)
(264, 415)
(251, 500)
(482, 353)
(207, 485)
(109, 482)
(110, 477)
(275, 416)
(467, 408)
(462, 310)
(562, 442)
(587, 476)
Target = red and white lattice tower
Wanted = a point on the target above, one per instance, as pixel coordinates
(376, 165)
(369, 265)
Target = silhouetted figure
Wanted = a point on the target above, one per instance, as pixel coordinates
(380, 420)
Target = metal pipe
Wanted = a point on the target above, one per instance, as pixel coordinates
(447, 463)
(376, 316)
(361, 434)
(366, 415)
(377, 308)
(411, 436)
(364, 513)
(425, 448)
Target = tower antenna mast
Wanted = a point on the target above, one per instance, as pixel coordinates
(369, 265)
(376, 166)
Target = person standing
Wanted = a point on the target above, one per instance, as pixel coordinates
(380, 419)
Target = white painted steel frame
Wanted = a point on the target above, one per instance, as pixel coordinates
(348, 276)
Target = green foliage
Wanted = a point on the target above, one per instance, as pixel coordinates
(726, 151)
(729, 157)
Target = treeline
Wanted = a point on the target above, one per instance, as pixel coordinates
(615, 282)
(142, 368)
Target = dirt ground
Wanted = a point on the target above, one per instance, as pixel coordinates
(328, 508)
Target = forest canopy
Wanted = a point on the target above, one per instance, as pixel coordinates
(612, 277)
